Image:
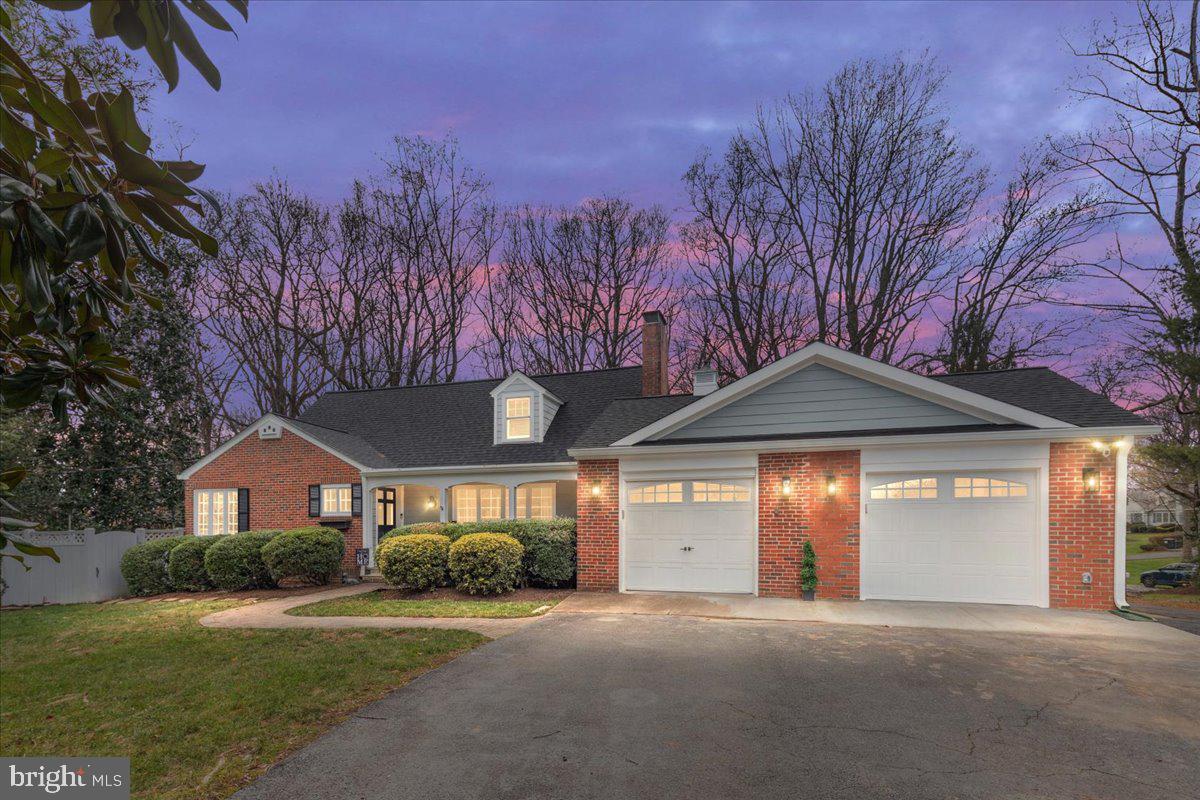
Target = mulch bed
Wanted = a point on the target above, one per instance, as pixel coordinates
(528, 595)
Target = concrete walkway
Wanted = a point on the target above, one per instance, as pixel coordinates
(879, 613)
(270, 614)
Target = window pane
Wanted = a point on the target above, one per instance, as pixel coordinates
(329, 500)
(542, 506)
(202, 528)
(344, 500)
(218, 512)
(491, 499)
(231, 510)
(518, 428)
(908, 489)
(465, 504)
(517, 407)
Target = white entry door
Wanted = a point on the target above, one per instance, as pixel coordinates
(690, 535)
(967, 537)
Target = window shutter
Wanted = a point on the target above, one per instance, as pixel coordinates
(243, 510)
(356, 499)
(314, 500)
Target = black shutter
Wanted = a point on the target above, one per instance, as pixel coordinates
(356, 499)
(314, 500)
(243, 510)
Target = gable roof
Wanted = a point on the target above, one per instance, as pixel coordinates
(626, 415)
(1044, 391)
(451, 424)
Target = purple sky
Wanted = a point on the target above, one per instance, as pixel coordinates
(559, 102)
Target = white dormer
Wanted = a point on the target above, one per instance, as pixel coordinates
(522, 410)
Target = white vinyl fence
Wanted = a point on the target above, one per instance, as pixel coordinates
(89, 569)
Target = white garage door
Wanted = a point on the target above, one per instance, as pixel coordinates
(952, 536)
(690, 536)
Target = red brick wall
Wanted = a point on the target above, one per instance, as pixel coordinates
(1081, 527)
(597, 526)
(278, 473)
(784, 522)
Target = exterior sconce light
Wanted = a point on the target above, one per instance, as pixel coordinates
(1102, 447)
(786, 487)
(595, 488)
(1091, 479)
(429, 503)
(830, 484)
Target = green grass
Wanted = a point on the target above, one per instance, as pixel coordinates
(373, 604)
(199, 711)
(1134, 541)
(1136, 568)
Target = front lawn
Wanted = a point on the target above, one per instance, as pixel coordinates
(439, 603)
(199, 711)
(1135, 568)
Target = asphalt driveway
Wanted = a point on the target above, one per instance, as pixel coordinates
(608, 706)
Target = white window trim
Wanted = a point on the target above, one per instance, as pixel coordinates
(528, 398)
(338, 486)
(229, 493)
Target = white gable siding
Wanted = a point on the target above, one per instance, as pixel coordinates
(542, 409)
(819, 399)
(550, 407)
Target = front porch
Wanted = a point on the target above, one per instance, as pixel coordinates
(396, 498)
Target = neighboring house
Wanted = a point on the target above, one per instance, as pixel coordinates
(994, 487)
(1148, 507)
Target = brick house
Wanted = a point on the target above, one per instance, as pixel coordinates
(993, 487)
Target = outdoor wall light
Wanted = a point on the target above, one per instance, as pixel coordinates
(786, 487)
(429, 503)
(595, 488)
(1091, 479)
(830, 484)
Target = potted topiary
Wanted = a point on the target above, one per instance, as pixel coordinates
(808, 572)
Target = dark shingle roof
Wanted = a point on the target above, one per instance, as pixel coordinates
(343, 442)
(626, 415)
(450, 424)
(1044, 391)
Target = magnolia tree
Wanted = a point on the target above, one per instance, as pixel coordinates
(84, 201)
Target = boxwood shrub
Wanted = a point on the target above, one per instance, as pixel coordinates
(236, 562)
(549, 558)
(185, 565)
(144, 566)
(311, 554)
(419, 560)
(486, 563)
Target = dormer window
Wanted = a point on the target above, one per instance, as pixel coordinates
(517, 419)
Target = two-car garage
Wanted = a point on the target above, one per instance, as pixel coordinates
(935, 535)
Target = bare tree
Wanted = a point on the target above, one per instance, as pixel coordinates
(878, 192)
(1147, 75)
(259, 296)
(409, 247)
(747, 303)
(572, 285)
(1021, 257)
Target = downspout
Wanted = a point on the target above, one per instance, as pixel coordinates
(1125, 444)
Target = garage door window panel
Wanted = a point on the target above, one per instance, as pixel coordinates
(708, 492)
(908, 489)
(986, 487)
(657, 493)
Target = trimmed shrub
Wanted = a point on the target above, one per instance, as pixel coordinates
(549, 544)
(185, 565)
(419, 560)
(235, 561)
(312, 554)
(486, 563)
(144, 566)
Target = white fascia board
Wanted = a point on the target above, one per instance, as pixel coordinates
(283, 422)
(470, 468)
(1062, 433)
(874, 371)
(522, 377)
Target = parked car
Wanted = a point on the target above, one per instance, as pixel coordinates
(1170, 575)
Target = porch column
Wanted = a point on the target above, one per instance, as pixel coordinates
(512, 502)
(444, 494)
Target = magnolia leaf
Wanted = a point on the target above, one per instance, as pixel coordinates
(44, 228)
(120, 122)
(12, 189)
(103, 12)
(136, 167)
(59, 116)
(71, 90)
(242, 7)
(158, 42)
(63, 5)
(184, 170)
(208, 14)
(85, 232)
(33, 550)
(52, 161)
(185, 40)
(129, 27)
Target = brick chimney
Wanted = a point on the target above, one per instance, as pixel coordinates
(655, 337)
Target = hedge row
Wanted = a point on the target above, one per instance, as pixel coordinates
(248, 560)
(548, 546)
(477, 563)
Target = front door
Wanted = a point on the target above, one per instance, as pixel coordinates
(385, 510)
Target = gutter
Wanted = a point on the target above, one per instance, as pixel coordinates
(1064, 434)
(451, 470)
